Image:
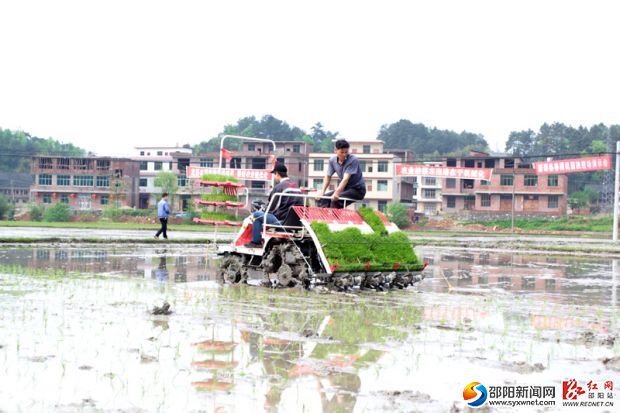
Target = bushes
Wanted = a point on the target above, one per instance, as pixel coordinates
(6, 208)
(399, 214)
(60, 212)
(36, 212)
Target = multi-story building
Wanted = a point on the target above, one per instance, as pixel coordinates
(512, 177)
(85, 182)
(252, 155)
(378, 168)
(427, 193)
(154, 159)
(15, 186)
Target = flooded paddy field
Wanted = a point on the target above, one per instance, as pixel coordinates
(77, 333)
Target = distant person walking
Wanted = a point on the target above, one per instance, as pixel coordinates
(163, 212)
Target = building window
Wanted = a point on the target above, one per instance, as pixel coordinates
(318, 184)
(63, 163)
(485, 183)
(299, 167)
(382, 205)
(319, 164)
(552, 201)
(141, 153)
(258, 185)
(64, 198)
(206, 162)
(366, 149)
(144, 165)
(363, 166)
(415, 191)
(160, 153)
(103, 181)
(485, 200)
(509, 163)
(82, 180)
(81, 164)
(552, 180)
(103, 164)
(382, 166)
(158, 166)
(181, 181)
(296, 148)
(506, 180)
(45, 163)
(105, 200)
(170, 166)
(430, 181)
(382, 185)
(530, 180)
(235, 163)
(429, 193)
(251, 146)
(63, 180)
(451, 201)
(45, 179)
(143, 182)
(47, 198)
(450, 183)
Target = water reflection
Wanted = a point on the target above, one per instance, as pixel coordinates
(244, 348)
(163, 264)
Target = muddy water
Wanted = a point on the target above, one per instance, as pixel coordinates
(76, 333)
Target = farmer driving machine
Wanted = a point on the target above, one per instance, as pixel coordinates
(339, 248)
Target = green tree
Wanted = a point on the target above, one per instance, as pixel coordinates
(521, 143)
(167, 181)
(6, 207)
(322, 139)
(19, 147)
(418, 138)
(398, 213)
(36, 212)
(60, 212)
(268, 127)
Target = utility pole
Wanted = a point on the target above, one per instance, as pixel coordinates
(615, 229)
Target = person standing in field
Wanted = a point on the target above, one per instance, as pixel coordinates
(163, 212)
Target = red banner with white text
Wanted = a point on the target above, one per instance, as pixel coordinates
(246, 174)
(444, 172)
(565, 166)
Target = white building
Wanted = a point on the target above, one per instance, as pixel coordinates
(378, 169)
(427, 193)
(154, 159)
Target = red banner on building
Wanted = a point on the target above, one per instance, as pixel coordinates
(246, 174)
(565, 166)
(444, 172)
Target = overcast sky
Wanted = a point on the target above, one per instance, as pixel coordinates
(111, 75)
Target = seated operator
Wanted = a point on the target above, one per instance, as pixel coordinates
(352, 185)
(281, 211)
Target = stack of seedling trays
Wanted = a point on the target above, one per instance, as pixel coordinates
(222, 202)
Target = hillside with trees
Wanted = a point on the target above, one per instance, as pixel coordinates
(427, 142)
(18, 147)
(562, 141)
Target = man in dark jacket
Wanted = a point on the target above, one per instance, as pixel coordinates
(278, 215)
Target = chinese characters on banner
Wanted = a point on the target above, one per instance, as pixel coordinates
(249, 174)
(444, 172)
(595, 163)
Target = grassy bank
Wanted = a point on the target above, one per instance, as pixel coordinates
(115, 225)
(577, 223)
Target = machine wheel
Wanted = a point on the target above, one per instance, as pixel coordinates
(284, 266)
(232, 271)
